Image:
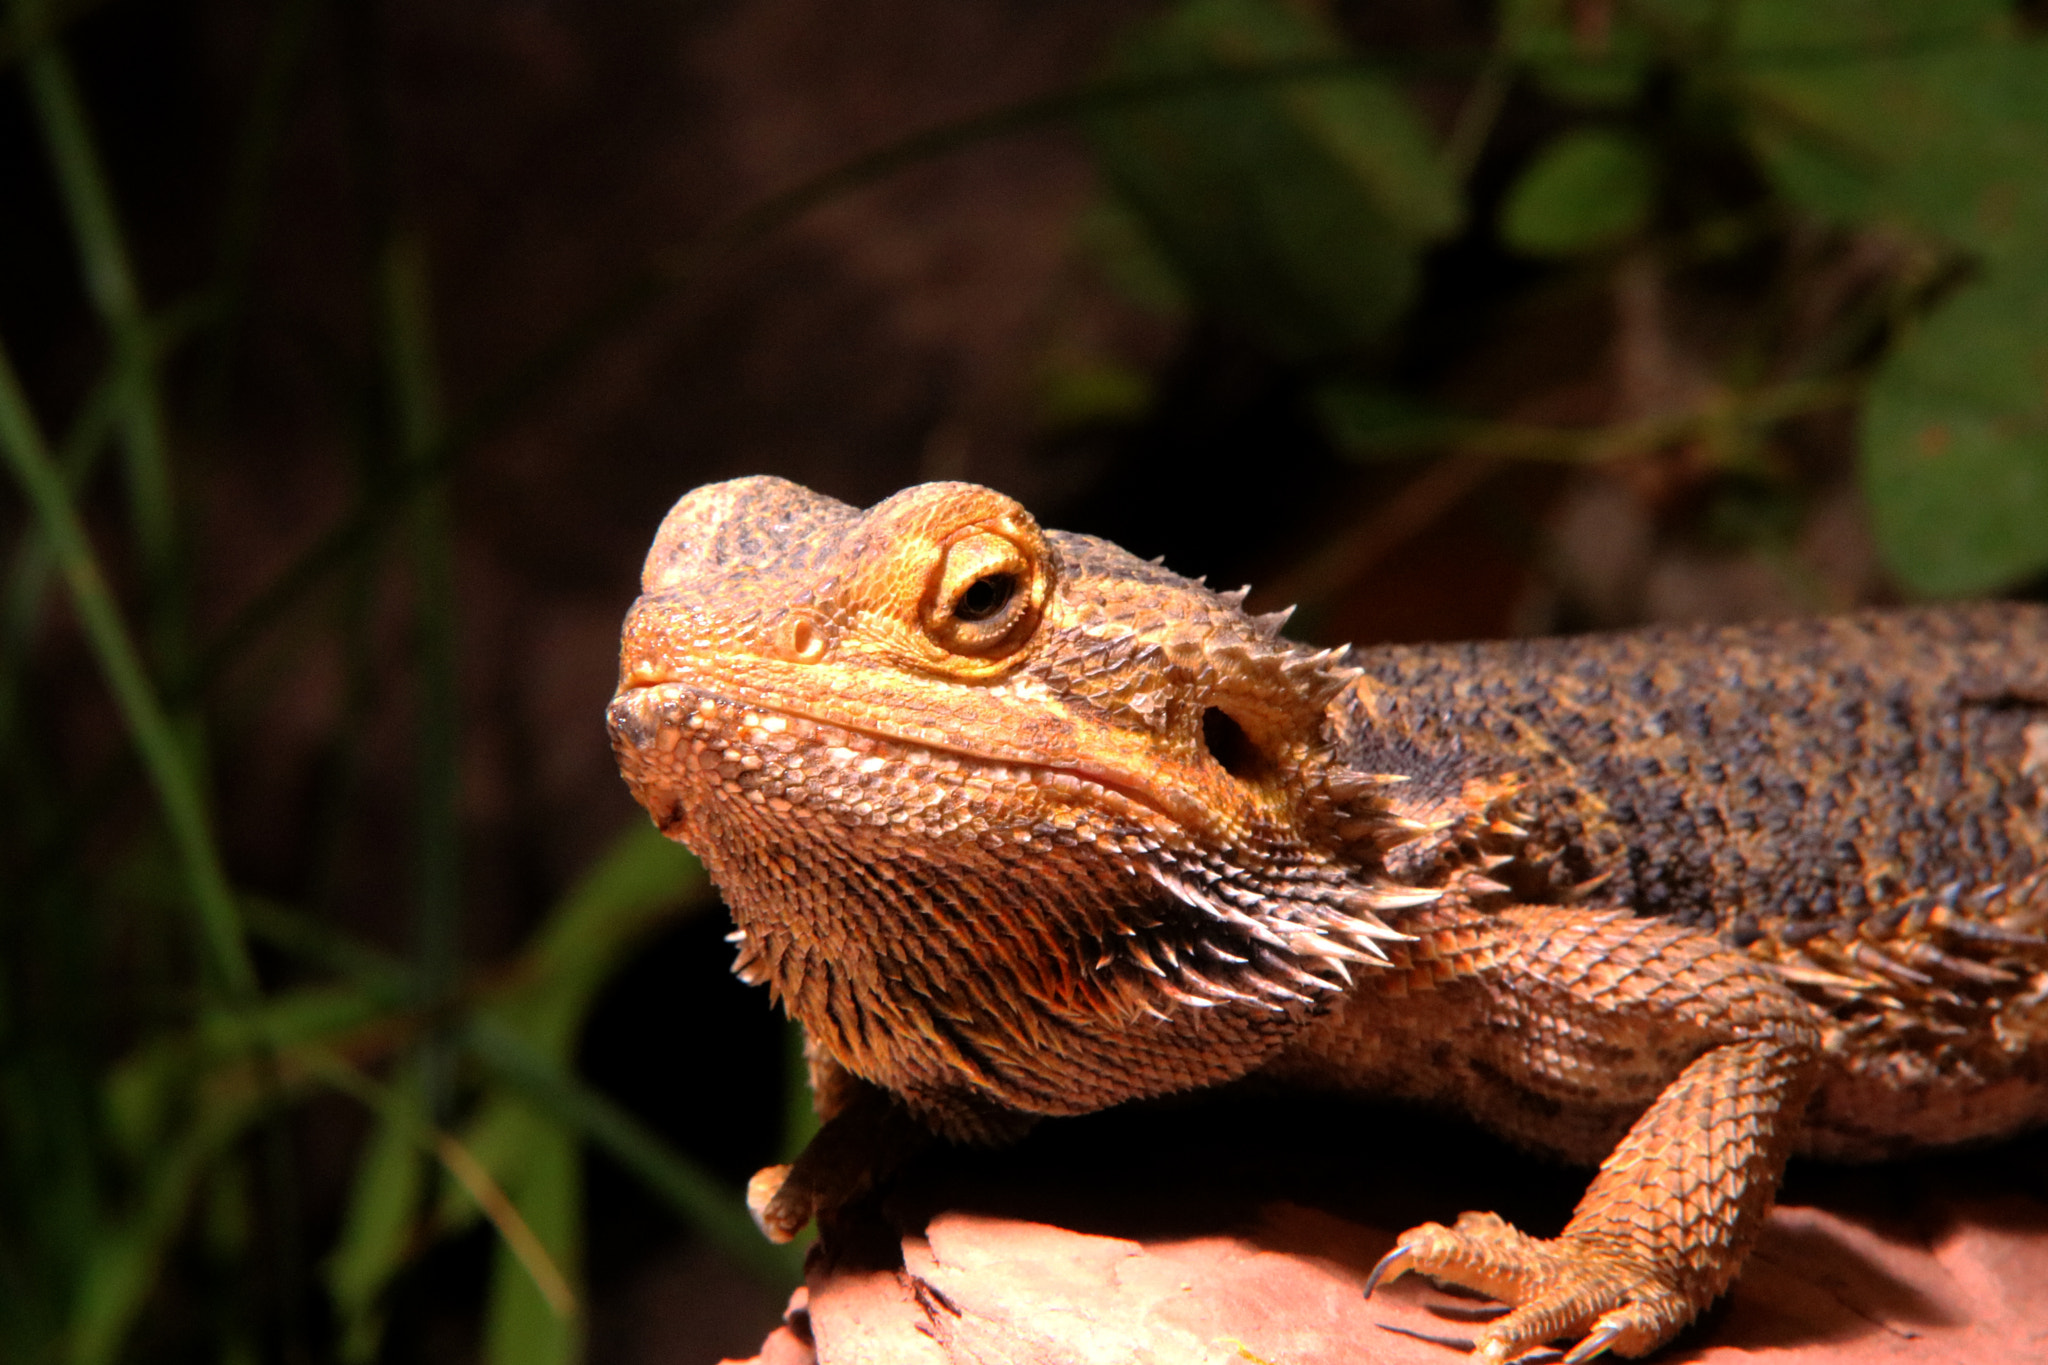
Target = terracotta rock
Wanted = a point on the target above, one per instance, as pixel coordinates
(978, 1289)
(1244, 1230)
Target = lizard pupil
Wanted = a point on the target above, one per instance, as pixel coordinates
(985, 596)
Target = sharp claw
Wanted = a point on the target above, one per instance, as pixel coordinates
(1593, 1345)
(1392, 1267)
(1470, 1312)
(1451, 1343)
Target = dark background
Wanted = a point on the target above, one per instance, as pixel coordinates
(333, 210)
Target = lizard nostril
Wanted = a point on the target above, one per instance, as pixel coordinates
(801, 639)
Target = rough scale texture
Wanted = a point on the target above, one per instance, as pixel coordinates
(1019, 825)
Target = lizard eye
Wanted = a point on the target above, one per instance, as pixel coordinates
(984, 596)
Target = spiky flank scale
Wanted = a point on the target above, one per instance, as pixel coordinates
(1018, 825)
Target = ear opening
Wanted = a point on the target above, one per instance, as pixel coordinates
(1231, 747)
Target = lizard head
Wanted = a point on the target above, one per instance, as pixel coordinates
(989, 784)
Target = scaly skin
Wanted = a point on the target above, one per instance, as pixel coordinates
(1018, 825)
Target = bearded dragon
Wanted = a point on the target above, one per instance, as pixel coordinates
(1020, 825)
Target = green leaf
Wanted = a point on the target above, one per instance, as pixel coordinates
(1588, 189)
(1921, 113)
(1955, 440)
(1295, 207)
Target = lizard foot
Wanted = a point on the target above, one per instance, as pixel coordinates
(780, 1206)
(858, 1148)
(1560, 1288)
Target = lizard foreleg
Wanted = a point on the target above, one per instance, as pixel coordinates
(1677, 1204)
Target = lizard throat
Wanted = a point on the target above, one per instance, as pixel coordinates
(966, 844)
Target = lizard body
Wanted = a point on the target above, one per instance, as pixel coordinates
(1018, 825)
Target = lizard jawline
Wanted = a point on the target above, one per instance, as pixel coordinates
(1185, 813)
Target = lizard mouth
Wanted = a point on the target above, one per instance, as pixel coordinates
(644, 710)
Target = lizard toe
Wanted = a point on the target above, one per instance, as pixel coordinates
(1558, 1289)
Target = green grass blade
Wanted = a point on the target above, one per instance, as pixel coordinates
(224, 948)
(28, 578)
(379, 1227)
(521, 1325)
(122, 1263)
(109, 283)
(487, 1183)
(48, 21)
(118, 1275)
(285, 46)
(410, 377)
(382, 978)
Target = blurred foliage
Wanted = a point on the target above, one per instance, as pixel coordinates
(137, 1138)
(1261, 168)
(1590, 189)
(1302, 209)
(1297, 209)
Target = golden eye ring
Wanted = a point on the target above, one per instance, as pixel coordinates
(984, 595)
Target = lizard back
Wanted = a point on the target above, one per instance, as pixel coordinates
(1861, 801)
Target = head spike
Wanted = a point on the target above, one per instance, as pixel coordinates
(1273, 622)
(1393, 898)
(1216, 989)
(1366, 926)
(1338, 957)
(1302, 981)
(1237, 919)
(1189, 998)
(1314, 943)
(1349, 784)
